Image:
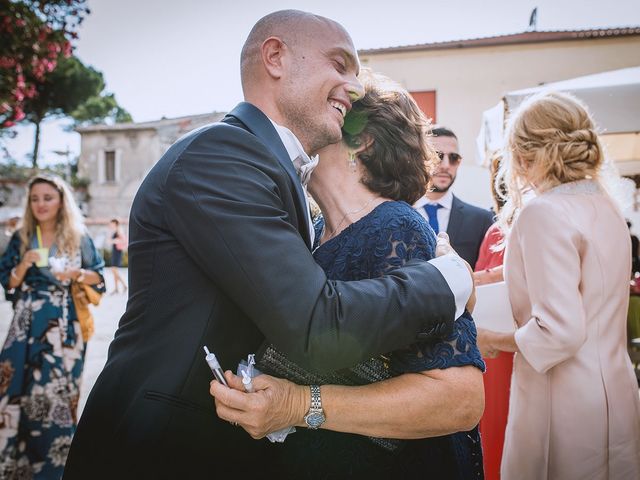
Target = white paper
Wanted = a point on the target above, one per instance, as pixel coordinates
(493, 309)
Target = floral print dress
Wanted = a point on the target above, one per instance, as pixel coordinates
(41, 365)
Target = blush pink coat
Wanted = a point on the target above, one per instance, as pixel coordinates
(574, 409)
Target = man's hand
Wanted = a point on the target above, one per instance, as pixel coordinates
(443, 247)
(274, 405)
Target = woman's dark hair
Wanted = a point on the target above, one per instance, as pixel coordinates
(399, 160)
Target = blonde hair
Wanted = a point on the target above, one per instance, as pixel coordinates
(551, 139)
(69, 222)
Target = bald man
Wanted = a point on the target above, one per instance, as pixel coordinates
(220, 256)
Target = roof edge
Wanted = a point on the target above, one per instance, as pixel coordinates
(149, 125)
(512, 39)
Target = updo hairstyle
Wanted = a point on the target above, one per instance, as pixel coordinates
(552, 140)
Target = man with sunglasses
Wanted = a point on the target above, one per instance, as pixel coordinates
(465, 224)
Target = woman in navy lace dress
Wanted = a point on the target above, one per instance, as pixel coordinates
(365, 186)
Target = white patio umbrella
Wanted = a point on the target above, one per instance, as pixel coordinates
(613, 98)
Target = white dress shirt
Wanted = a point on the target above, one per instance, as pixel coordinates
(295, 150)
(450, 266)
(444, 213)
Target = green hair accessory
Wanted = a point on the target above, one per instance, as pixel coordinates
(354, 123)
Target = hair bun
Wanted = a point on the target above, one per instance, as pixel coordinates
(554, 139)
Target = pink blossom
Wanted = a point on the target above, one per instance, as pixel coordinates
(31, 91)
(53, 47)
(49, 65)
(19, 114)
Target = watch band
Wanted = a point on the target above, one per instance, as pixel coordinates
(316, 399)
(315, 416)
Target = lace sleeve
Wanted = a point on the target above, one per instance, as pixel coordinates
(410, 238)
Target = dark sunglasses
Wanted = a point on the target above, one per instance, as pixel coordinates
(454, 158)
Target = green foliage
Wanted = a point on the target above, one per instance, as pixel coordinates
(99, 109)
(9, 168)
(34, 33)
(64, 90)
(80, 183)
(74, 90)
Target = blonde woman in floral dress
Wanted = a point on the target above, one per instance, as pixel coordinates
(42, 358)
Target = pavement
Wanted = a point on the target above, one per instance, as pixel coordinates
(106, 316)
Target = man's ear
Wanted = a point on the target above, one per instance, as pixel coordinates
(273, 52)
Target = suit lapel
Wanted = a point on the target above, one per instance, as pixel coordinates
(455, 219)
(258, 124)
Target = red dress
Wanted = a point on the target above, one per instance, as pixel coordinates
(497, 378)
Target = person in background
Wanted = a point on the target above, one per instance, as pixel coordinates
(118, 242)
(464, 223)
(574, 410)
(489, 269)
(365, 186)
(42, 358)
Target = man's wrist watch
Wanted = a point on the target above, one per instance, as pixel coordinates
(315, 416)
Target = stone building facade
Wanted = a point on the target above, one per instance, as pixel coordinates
(116, 158)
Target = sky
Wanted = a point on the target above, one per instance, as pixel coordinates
(163, 58)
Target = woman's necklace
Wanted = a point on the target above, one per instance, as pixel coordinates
(344, 217)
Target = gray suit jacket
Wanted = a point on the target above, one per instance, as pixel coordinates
(466, 229)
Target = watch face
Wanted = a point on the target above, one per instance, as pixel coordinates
(314, 420)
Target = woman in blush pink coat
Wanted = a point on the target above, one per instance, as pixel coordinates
(574, 408)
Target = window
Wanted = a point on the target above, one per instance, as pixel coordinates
(110, 166)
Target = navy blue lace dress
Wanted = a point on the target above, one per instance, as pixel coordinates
(392, 234)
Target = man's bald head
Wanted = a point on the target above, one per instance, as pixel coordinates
(301, 71)
(290, 26)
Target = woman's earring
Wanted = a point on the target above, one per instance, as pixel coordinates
(352, 161)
